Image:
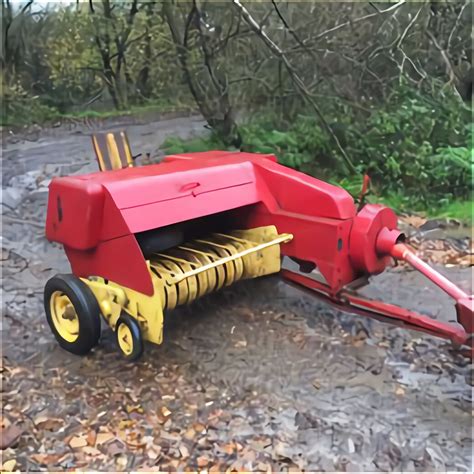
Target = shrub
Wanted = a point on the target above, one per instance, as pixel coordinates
(18, 107)
(416, 146)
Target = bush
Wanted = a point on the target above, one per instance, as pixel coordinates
(416, 146)
(18, 107)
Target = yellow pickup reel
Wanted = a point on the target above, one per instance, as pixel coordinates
(179, 275)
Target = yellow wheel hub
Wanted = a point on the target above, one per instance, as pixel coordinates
(125, 339)
(64, 316)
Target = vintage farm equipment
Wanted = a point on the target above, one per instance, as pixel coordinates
(142, 240)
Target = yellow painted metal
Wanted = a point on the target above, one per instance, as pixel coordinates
(114, 154)
(126, 146)
(125, 339)
(64, 316)
(112, 150)
(184, 273)
(147, 310)
(99, 154)
(225, 260)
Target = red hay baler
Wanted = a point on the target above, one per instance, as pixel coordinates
(141, 240)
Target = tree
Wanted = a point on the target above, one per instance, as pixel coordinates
(198, 41)
(113, 26)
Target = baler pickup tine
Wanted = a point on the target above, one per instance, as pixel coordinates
(283, 238)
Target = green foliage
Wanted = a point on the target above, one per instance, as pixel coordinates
(416, 148)
(20, 107)
(72, 59)
(417, 144)
(175, 145)
(299, 146)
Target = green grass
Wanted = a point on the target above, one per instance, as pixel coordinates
(134, 110)
(459, 209)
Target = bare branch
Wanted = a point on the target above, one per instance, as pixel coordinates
(290, 30)
(456, 24)
(358, 20)
(300, 85)
(449, 67)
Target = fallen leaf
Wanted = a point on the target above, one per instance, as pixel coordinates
(228, 448)
(202, 461)
(190, 434)
(9, 436)
(46, 458)
(199, 427)
(163, 414)
(77, 442)
(103, 438)
(154, 452)
(124, 424)
(115, 448)
(48, 424)
(9, 466)
(91, 438)
(134, 409)
(184, 451)
(414, 221)
(400, 391)
(89, 450)
(122, 461)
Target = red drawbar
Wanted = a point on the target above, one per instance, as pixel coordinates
(347, 301)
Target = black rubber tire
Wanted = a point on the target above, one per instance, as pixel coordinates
(137, 337)
(86, 307)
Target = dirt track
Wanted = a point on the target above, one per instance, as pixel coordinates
(256, 377)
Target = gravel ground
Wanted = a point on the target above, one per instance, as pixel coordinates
(257, 377)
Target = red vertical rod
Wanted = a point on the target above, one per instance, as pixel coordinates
(402, 252)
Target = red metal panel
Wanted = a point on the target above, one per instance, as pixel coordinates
(142, 190)
(113, 224)
(305, 195)
(140, 199)
(74, 212)
(325, 242)
(367, 225)
(159, 214)
(119, 260)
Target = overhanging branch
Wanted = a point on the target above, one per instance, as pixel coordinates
(299, 83)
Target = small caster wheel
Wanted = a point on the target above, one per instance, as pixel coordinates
(129, 337)
(72, 313)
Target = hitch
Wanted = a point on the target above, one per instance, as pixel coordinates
(391, 242)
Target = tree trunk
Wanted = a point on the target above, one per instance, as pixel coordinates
(211, 96)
